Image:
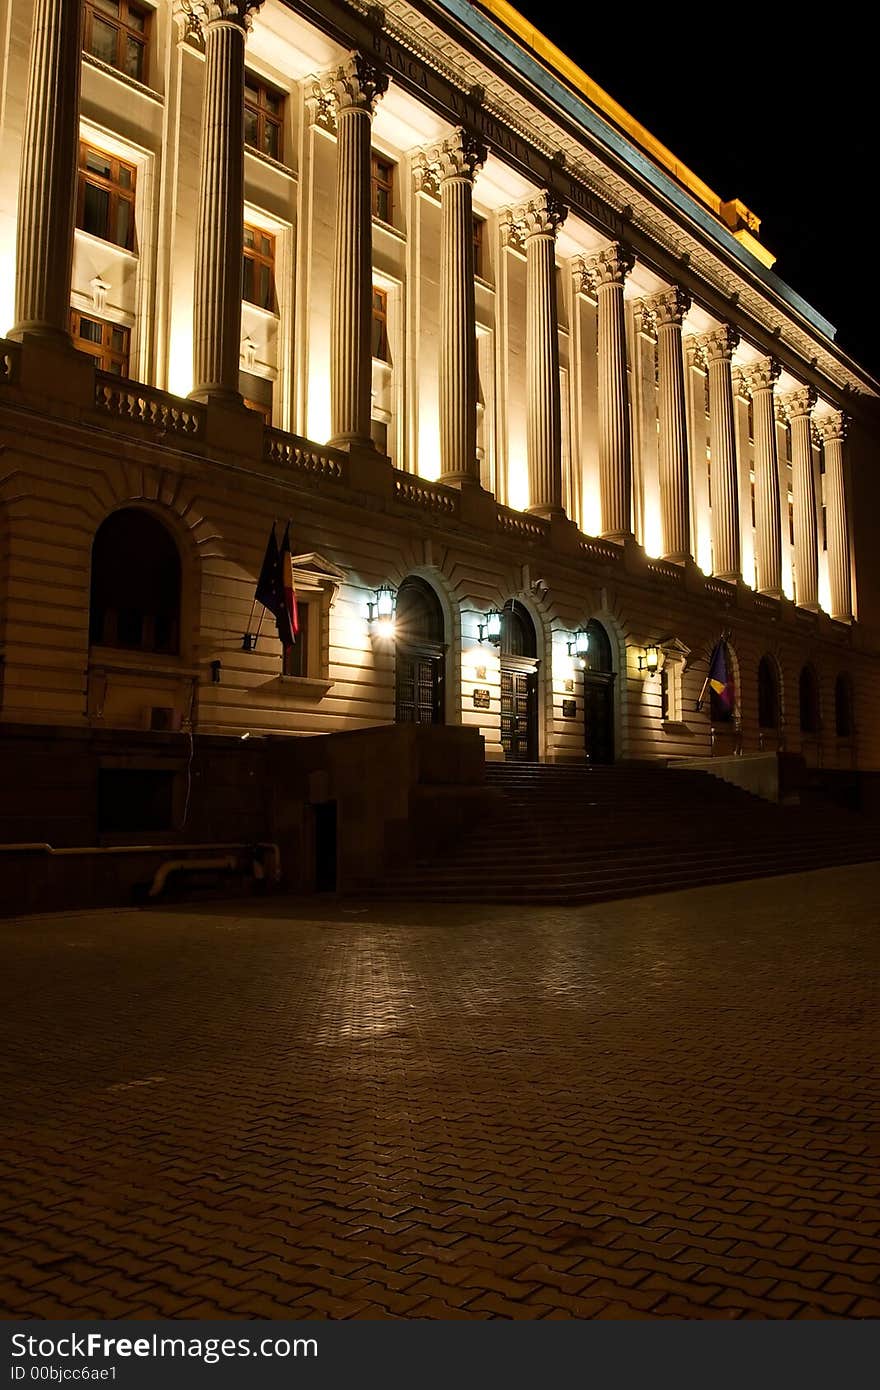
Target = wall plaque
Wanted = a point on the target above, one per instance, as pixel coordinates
(481, 699)
(569, 709)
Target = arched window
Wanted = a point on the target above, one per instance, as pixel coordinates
(809, 701)
(768, 694)
(843, 706)
(420, 654)
(135, 592)
(517, 631)
(598, 656)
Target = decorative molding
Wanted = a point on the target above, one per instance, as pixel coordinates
(459, 157)
(540, 216)
(645, 321)
(321, 108)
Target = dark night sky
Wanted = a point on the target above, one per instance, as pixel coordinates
(783, 118)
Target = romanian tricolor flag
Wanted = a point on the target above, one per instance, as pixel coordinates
(275, 589)
(719, 679)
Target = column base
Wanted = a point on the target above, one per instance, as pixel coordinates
(771, 593)
(460, 479)
(224, 395)
(548, 513)
(677, 557)
(809, 607)
(621, 537)
(47, 332)
(729, 576)
(362, 443)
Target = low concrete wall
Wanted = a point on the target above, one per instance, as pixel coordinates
(757, 773)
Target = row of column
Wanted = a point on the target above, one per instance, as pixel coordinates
(44, 261)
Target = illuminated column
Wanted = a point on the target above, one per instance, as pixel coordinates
(541, 219)
(668, 310)
(832, 430)
(608, 272)
(217, 298)
(457, 161)
(718, 347)
(759, 381)
(797, 406)
(47, 180)
(356, 87)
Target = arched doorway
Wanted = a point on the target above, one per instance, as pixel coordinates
(809, 701)
(768, 698)
(599, 696)
(843, 706)
(135, 586)
(519, 684)
(420, 654)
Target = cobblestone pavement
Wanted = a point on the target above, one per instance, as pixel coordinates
(662, 1107)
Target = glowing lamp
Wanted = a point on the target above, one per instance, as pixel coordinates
(649, 661)
(579, 644)
(381, 609)
(490, 627)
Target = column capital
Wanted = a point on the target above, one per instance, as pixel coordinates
(758, 376)
(459, 157)
(718, 345)
(198, 15)
(797, 403)
(357, 84)
(669, 306)
(611, 266)
(541, 216)
(832, 426)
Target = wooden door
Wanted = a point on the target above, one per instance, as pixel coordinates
(519, 715)
(599, 719)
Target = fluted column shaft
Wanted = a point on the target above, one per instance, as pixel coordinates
(759, 380)
(217, 301)
(541, 219)
(356, 86)
(47, 180)
(832, 429)
(668, 310)
(608, 271)
(457, 160)
(798, 406)
(718, 347)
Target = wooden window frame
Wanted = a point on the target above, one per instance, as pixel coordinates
(381, 181)
(109, 185)
(379, 317)
(249, 253)
(124, 31)
(265, 116)
(104, 351)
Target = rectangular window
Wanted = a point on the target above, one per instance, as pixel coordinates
(824, 529)
(263, 117)
(709, 482)
(105, 196)
(380, 325)
(479, 226)
(258, 268)
(116, 32)
(752, 492)
(791, 521)
(108, 342)
(751, 420)
(296, 658)
(382, 188)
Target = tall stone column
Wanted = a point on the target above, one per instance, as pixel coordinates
(759, 381)
(217, 301)
(608, 272)
(456, 161)
(798, 406)
(668, 310)
(539, 222)
(356, 87)
(832, 431)
(47, 180)
(718, 347)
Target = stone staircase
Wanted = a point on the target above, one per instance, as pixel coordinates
(575, 834)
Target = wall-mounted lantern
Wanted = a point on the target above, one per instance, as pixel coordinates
(579, 644)
(489, 627)
(381, 609)
(649, 661)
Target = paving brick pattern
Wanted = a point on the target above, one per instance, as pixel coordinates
(666, 1107)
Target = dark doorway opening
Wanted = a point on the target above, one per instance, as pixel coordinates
(599, 681)
(420, 658)
(519, 684)
(325, 846)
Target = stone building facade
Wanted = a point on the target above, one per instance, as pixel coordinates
(406, 277)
